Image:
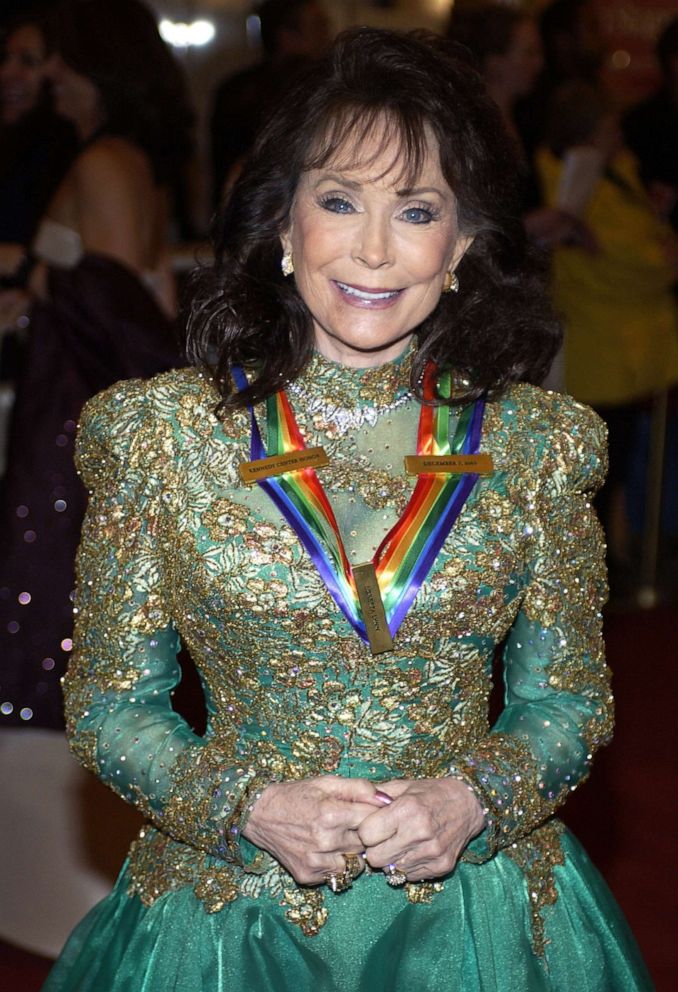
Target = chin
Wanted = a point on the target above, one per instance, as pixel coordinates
(369, 346)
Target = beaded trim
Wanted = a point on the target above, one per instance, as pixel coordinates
(346, 419)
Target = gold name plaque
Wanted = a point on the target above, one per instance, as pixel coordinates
(293, 461)
(448, 464)
(372, 606)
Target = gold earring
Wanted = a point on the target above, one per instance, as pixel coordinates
(451, 282)
(286, 263)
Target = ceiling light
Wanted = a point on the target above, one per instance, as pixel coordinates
(179, 34)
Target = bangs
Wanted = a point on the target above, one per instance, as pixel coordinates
(405, 140)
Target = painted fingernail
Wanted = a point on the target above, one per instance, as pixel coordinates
(383, 797)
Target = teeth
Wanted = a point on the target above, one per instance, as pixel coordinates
(362, 295)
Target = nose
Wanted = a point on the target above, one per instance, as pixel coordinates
(373, 247)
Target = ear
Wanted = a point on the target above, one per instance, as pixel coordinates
(286, 238)
(461, 246)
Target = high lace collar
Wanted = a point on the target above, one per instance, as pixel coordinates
(342, 387)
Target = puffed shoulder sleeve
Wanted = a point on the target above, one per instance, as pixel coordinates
(557, 701)
(123, 669)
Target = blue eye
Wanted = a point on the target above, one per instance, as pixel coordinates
(337, 205)
(418, 215)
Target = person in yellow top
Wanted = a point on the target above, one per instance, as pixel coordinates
(621, 342)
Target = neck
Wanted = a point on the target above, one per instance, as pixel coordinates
(337, 351)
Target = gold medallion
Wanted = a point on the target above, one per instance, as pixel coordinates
(292, 461)
(448, 464)
(372, 607)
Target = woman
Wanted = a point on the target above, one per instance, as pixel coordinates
(35, 145)
(349, 821)
(99, 293)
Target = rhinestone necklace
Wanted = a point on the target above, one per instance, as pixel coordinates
(345, 418)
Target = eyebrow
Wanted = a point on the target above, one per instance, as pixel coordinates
(351, 184)
(334, 177)
(418, 190)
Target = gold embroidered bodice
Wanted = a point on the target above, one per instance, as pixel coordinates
(174, 543)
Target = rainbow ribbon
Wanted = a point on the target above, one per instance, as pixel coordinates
(407, 553)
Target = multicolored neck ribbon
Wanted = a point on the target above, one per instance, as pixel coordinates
(406, 555)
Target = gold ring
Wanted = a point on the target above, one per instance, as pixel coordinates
(338, 881)
(394, 876)
(354, 864)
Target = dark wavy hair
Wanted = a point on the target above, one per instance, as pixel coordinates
(499, 328)
(116, 44)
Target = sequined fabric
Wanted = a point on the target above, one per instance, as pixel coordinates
(174, 542)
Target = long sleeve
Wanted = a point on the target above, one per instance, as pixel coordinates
(558, 706)
(124, 666)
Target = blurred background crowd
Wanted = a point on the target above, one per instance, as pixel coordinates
(123, 125)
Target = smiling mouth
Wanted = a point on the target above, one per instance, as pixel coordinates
(367, 295)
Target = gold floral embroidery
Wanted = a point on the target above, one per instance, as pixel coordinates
(306, 909)
(291, 690)
(537, 856)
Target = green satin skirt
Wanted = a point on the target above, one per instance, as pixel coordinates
(473, 936)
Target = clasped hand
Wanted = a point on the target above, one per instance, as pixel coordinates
(308, 826)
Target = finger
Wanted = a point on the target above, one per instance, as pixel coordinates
(334, 821)
(427, 860)
(421, 874)
(417, 865)
(349, 816)
(383, 797)
(355, 790)
(404, 838)
(348, 842)
(321, 868)
(342, 871)
(434, 869)
(349, 859)
(395, 787)
(387, 854)
(378, 827)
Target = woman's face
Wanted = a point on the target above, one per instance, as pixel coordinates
(21, 72)
(517, 69)
(75, 96)
(370, 256)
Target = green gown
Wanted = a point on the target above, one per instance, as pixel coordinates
(174, 543)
